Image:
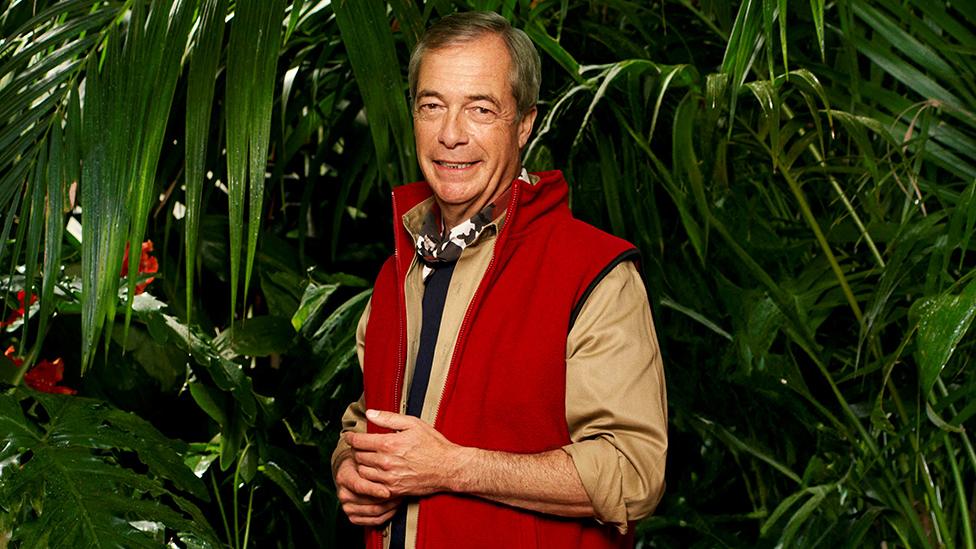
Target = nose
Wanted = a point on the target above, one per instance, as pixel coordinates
(453, 131)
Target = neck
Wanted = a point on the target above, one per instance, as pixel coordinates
(453, 215)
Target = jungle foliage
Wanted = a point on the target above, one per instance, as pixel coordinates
(799, 176)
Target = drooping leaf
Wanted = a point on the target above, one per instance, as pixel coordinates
(127, 102)
(204, 58)
(255, 39)
(369, 44)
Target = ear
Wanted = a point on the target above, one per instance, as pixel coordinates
(525, 127)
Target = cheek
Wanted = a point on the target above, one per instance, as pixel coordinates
(424, 132)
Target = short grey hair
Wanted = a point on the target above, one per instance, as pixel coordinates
(460, 28)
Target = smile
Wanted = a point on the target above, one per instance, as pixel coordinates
(454, 165)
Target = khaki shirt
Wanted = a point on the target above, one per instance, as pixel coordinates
(616, 406)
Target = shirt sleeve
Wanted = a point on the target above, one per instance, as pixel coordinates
(616, 404)
(354, 418)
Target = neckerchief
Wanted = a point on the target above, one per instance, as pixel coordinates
(434, 245)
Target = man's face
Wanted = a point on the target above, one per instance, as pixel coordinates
(466, 125)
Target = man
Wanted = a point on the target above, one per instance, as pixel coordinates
(513, 390)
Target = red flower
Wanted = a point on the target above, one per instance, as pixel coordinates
(147, 264)
(44, 376)
(19, 312)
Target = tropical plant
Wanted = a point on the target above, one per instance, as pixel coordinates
(800, 178)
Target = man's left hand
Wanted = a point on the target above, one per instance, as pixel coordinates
(414, 460)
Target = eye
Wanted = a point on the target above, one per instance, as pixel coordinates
(483, 114)
(429, 107)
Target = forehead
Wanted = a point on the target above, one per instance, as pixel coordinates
(475, 67)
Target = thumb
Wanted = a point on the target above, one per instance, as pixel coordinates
(396, 422)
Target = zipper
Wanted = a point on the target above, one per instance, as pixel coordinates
(466, 321)
(400, 357)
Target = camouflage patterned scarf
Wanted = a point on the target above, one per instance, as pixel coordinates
(434, 245)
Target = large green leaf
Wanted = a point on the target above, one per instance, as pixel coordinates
(69, 488)
(371, 50)
(255, 40)
(128, 95)
(942, 322)
(257, 336)
(204, 59)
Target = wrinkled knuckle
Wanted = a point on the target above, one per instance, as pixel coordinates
(365, 472)
(362, 486)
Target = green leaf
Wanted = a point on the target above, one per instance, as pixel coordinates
(127, 103)
(410, 19)
(70, 489)
(696, 316)
(745, 42)
(211, 401)
(739, 445)
(372, 53)
(942, 322)
(282, 290)
(258, 336)
(312, 302)
(687, 169)
(204, 59)
(816, 494)
(255, 39)
(54, 228)
(549, 45)
(164, 363)
(334, 340)
(249, 463)
(227, 375)
(939, 422)
(817, 12)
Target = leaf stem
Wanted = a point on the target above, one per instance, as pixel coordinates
(220, 505)
(967, 529)
(247, 522)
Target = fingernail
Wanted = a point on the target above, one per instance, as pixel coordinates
(372, 413)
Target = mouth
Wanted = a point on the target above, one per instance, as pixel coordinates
(454, 165)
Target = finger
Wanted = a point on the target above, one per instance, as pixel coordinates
(397, 422)
(369, 442)
(370, 521)
(369, 488)
(347, 496)
(375, 475)
(353, 509)
(376, 460)
(362, 490)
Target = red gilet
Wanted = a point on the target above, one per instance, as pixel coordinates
(505, 389)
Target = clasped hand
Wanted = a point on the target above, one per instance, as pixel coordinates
(380, 469)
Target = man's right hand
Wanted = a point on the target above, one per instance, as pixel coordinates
(366, 503)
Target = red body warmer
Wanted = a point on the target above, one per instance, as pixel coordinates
(506, 386)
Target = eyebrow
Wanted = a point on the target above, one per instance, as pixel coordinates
(423, 94)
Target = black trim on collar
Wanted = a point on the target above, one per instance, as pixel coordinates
(631, 254)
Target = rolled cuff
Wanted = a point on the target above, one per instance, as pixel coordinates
(596, 463)
(354, 419)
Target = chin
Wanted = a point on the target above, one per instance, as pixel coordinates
(449, 194)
